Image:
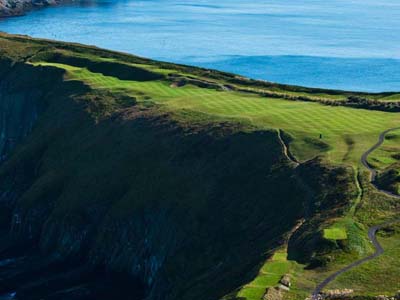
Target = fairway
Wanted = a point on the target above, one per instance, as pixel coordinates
(339, 134)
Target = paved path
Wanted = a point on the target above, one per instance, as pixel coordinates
(364, 160)
(373, 230)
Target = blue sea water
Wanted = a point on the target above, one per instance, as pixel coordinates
(340, 44)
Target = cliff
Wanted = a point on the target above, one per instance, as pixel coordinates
(105, 191)
(133, 191)
(17, 7)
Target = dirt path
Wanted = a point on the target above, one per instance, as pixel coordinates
(372, 231)
(286, 150)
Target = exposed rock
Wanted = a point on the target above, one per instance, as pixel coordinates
(345, 294)
(337, 294)
(179, 83)
(285, 280)
(397, 296)
(382, 297)
(283, 288)
(273, 294)
(18, 7)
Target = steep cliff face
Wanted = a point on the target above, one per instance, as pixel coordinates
(108, 195)
(19, 106)
(21, 102)
(18, 7)
(135, 192)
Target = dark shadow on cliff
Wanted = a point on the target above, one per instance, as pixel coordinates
(190, 211)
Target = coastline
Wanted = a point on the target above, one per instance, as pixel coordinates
(21, 7)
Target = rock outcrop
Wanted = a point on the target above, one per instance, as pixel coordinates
(286, 281)
(337, 294)
(273, 293)
(18, 7)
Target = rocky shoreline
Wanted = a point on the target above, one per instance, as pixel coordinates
(9, 8)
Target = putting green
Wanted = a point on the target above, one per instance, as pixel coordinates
(338, 233)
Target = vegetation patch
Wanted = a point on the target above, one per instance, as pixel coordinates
(377, 277)
(389, 179)
(335, 233)
(388, 154)
(269, 275)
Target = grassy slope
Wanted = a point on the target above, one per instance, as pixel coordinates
(388, 153)
(378, 274)
(346, 132)
(386, 160)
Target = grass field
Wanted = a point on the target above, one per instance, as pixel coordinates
(269, 276)
(345, 133)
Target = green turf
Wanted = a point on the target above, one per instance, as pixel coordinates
(270, 274)
(335, 233)
(304, 121)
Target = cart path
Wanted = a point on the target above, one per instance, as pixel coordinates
(373, 230)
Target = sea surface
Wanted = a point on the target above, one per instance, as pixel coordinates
(339, 44)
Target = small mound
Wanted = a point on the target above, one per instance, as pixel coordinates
(108, 68)
(389, 179)
(317, 144)
(393, 137)
(178, 84)
(396, 156)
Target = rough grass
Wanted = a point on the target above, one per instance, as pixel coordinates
(269, 275)
(376, 277)
(388, 153)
